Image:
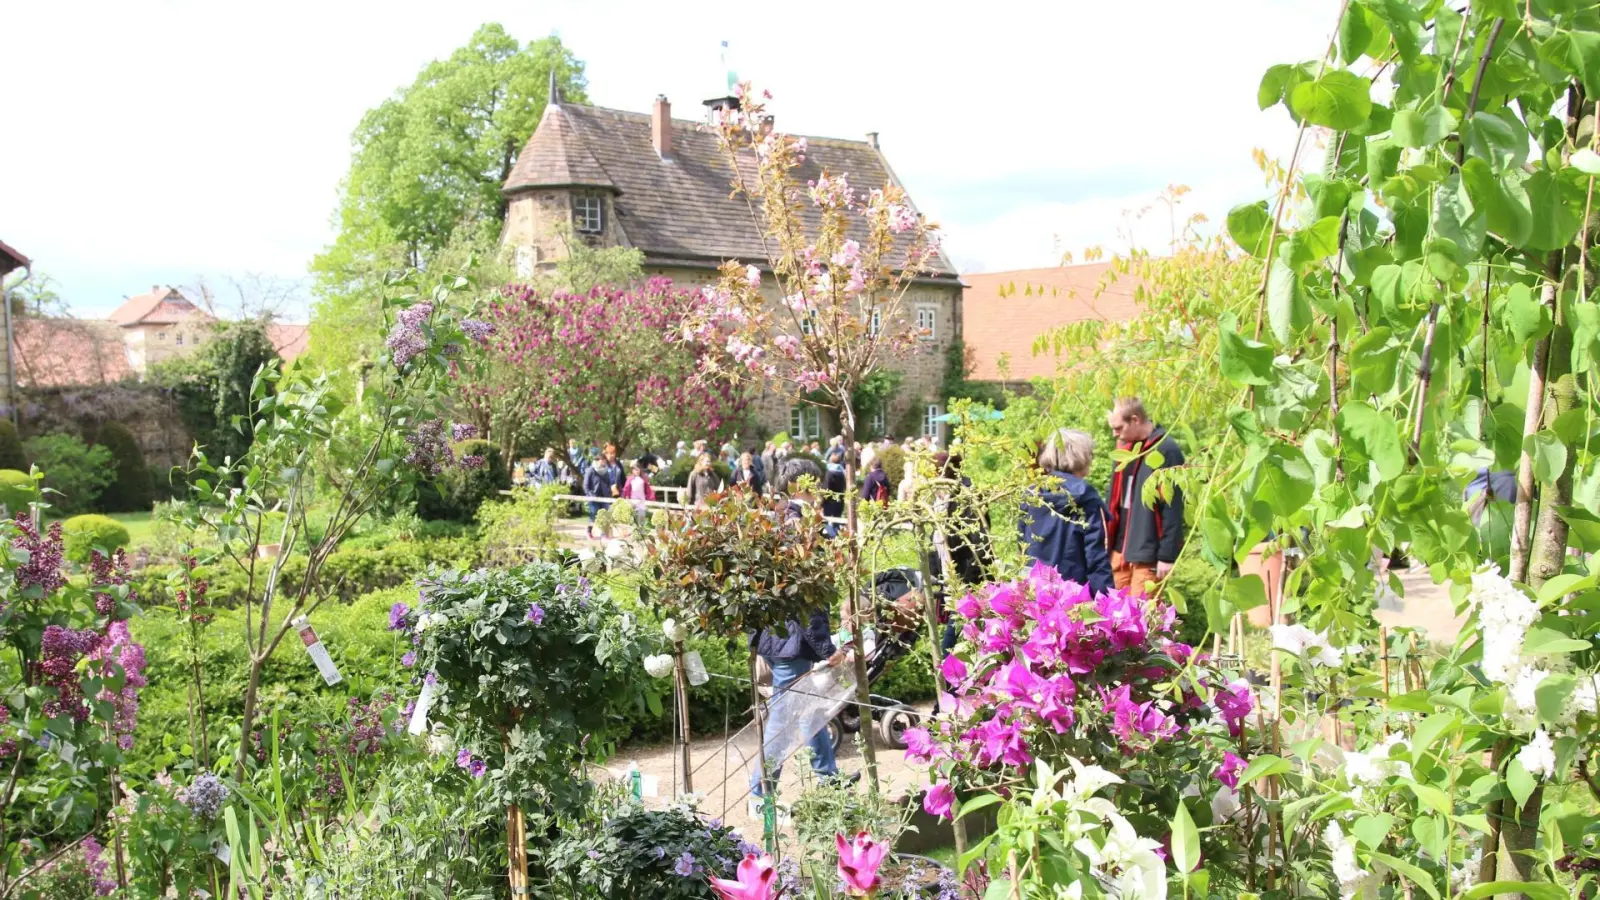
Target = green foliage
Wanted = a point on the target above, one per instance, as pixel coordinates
(635, 852)
(423, 189)
(957, 384)
(83, 534)
(894, 466)
(213, 386)
(737, 566)
(875, 393)
(75, 470)
(513, 530)
(11, 455)
(677, 474)
(17, 490)
(459, 491)
(132, 489)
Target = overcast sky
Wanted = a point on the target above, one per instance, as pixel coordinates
(148, 142)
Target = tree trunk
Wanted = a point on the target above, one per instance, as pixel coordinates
(1549, 550)
(1522, 521)
(849, 612)
(247, 718)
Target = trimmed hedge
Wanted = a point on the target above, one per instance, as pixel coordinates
(132, 489)
(16, 490)
(11, 455)
(82, 534)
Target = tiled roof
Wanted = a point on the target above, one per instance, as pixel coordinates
(11, 258)
(162, 306)
(64, 352)
(678, 209)
(289, 340)
(556, 155)
(1004, 312)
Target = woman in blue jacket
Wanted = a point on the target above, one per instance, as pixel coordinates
(1065, 524)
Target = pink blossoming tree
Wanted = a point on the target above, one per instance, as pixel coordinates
(609, 365)
(840, 263)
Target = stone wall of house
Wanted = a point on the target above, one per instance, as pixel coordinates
(150, 412)
(923, 371)
(533, 221)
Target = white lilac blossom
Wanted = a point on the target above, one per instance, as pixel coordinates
(1538, 756)
(675, 630)
(1302, 641)
(1504, 615)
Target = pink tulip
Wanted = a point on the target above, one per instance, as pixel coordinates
(859, 861)
(753, 880)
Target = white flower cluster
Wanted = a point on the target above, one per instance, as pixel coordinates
(1313, 646)
(1126, 865)
(1538, 756)
(430, 620)
(1504, 616)
(675, 630)
(1365, 768)
(1353, 882)
(658, 666)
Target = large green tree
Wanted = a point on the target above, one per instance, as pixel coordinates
(425, 175)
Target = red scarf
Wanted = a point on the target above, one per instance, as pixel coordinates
(1121, 480)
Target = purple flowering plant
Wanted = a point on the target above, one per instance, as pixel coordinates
(69, 712)
(1046, 670)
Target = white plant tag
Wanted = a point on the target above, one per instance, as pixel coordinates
(319, 653)
(222, 852)
(419, 713)
(695, 668)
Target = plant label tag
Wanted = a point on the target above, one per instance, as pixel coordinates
(319, 653)
(222, 852)
(695, 668)
(67, 752)
(419, 714)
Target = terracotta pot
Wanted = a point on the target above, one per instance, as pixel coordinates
(1271, 572)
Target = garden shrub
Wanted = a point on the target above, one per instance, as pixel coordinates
(509, 532)
(1195, 581)
(457, 494)
(677, 474)
(894, 466)
(84, 534)
(11, 455)
(16, 490)
(639, 853)
(131, 489)
(76, 470)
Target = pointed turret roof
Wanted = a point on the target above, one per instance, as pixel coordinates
(556, 155)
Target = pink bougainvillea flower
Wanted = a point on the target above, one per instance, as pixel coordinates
(1001, 741)
(753, 880)
(939, 800)
(969, 607)
(859, 861)
(954, 670)
(1228, 772)
(919, 745)
(1006, 600)
(1235, 702)
(1123, 619)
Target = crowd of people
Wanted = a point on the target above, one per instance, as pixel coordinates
(1121, 541)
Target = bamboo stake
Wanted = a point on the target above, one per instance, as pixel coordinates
(517, 851)
(681, 685)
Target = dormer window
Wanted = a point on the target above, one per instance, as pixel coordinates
(587, 213)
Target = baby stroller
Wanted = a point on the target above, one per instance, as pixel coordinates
(900, 603)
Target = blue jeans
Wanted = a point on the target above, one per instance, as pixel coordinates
(594, 510)
(784, 673)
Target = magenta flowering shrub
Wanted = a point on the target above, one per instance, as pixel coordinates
(611, 365)
(1048, 671)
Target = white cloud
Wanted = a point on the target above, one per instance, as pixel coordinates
(153, 142)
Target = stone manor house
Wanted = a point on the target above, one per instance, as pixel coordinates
(661, 185)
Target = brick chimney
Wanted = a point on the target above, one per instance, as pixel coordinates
(872, 139)
(661, 127)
